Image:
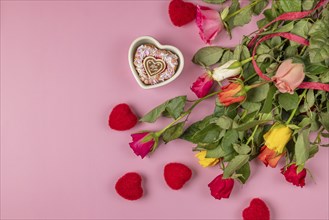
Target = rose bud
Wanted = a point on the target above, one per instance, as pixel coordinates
(202, 85)
(221, 188)
(232, 93)
(206, 162)
(275, 141)
(229, 69)
(143, 143)
(291, 175)
(209, 23)
(289, 76)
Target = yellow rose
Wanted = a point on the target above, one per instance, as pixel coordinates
(206, 162)
(277, 137)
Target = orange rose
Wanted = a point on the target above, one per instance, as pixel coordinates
(275, 141)
(232, 93)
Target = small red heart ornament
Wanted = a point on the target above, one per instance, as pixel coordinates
(181, 12)
(129, 186)
(176, 175)
(257, 210)
(122, 118)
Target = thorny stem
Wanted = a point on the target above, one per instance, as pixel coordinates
(256, 85)
(294, 111)
(243, 62)
(252, 135)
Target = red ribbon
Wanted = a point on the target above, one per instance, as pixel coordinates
(289, 16)
(295, 38)
(292, 37)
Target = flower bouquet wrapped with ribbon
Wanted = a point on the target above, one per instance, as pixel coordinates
(270, 92)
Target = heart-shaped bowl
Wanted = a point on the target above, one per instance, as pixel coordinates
(150, 40)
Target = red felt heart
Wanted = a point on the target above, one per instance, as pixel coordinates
(181, 12)
(129, 186)
(257, 210)
(176, 175)
(122, 118)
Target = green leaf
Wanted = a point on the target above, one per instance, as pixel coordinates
(291, 5)
(241, 149)
(302, 147)
(245, 173)
(263, 58)
(258, 94)
(227, 56)
(214, 1)
(224, 122)
(235, 164)
(259, 7)
(307, 5)
(154, 114)
(305, 122)
(173, 132)
(263, 49)
(301, 28)
(241, 52)
(252, 124)
(233, 8)
(197, 126)
(262, 22)
(217, 152)
(244, 17)
(288, 101)
(248, 117)
(285, 28)
(313, 150)
(208, 56)
(270, 14)
(175, 106)
(267, 107)
(230, 138)
(291, 51)
(319, 47)
(316, 68)
(251, 106)
(310, 99)
(209, 134)
(324, 119)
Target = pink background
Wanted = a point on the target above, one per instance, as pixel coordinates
(63, 68)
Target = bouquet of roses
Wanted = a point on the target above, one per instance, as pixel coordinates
(270, 93)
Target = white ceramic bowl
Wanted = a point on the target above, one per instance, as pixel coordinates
(150, 40)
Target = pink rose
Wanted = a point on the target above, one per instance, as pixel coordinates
(221, 188)
(209, 23)
(289, 76)
(202, 85)
(142, 143)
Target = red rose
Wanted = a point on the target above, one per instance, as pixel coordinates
(143, 143)
(221, 188)
(291, 175)
(202, 86)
